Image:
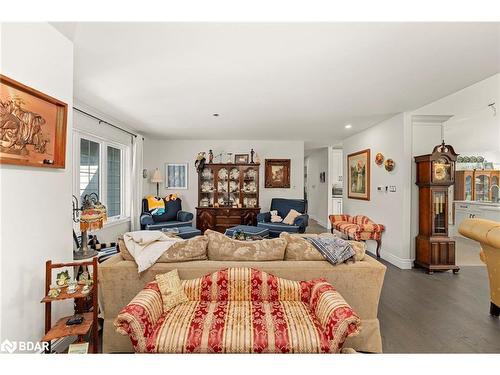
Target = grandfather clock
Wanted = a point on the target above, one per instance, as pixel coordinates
(434, 250)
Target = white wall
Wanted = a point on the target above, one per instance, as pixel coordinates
(159, 152)
(318, 196)
(473, 128)
(393, 139)
(36, 202)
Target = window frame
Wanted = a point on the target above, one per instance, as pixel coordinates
(103, 169)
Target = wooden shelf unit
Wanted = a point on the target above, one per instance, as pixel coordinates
(89, 324)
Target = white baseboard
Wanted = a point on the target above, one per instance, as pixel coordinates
(404, 264)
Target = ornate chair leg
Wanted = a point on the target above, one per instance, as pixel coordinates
(494, 309)
(379, 243)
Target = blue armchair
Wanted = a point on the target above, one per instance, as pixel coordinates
(283, 206)
(173, 217)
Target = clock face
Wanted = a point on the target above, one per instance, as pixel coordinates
(441, 171)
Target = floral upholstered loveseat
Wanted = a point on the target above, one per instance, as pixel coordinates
(240, 310)
(358, 228)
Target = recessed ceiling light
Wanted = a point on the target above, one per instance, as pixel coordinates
(215, 115)
(348, 126)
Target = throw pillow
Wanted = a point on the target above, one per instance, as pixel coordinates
(171, 289)
(221, 247)
(290, 218)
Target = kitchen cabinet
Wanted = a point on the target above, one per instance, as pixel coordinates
(336, 206)
(476, 185)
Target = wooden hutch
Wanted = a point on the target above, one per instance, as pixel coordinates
(434, 250)
(475, 185)
(228, 195)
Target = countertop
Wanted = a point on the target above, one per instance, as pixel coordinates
(485, 205)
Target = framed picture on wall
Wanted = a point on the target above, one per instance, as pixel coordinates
(33, 126)
(277, 173)
(358, 175)
(176, 176)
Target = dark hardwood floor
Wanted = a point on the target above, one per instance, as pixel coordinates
(439, 313)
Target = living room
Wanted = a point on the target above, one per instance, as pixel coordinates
(249, 187)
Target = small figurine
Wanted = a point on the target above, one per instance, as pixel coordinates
(210, 157)
(54, 292)
(252, 152)
(62, 278)
(200, 162)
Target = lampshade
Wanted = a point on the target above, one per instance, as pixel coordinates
(156, 178)
(93, 216)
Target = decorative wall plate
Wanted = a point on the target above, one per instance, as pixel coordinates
(389, 165)
(379, 158)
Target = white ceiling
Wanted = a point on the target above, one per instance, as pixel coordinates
(297, 81)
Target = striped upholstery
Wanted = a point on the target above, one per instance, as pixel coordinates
(241, 310)
(358, 228)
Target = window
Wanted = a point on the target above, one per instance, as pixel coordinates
(102, 168)
(114, 181)
(89, 167)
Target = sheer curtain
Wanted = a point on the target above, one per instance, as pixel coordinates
(136, 196)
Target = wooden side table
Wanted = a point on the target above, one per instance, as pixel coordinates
(89, 324)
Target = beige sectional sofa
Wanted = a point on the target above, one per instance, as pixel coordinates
(359, 282)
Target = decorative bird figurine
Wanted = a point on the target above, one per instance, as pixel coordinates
(200, 162)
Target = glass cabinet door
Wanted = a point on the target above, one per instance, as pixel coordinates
(494, 189)
(439, 212)
(482, 186)
(468, 188)
(222, 187)
(207, 188)
(234, 187)
(250, 187)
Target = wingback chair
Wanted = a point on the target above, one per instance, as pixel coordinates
(171, 217)
(358, 228)
(283, 206)
(487, 233)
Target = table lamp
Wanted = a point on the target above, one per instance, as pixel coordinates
(157, 178)
(92, 215)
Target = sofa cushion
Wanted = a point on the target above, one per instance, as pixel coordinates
(298, 248)
(172, 292)
(183, 251)
(274, 327)
(221, 247)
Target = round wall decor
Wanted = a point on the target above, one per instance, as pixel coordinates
(379, 158)
(389, 165)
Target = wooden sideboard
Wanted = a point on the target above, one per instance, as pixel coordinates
(219, 219)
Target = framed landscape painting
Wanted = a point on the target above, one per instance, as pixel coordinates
(32, 126)
(277, 173)
(358, 177)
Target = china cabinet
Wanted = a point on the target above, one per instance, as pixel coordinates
(228, 195)
(476, 185)
(434, 250)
